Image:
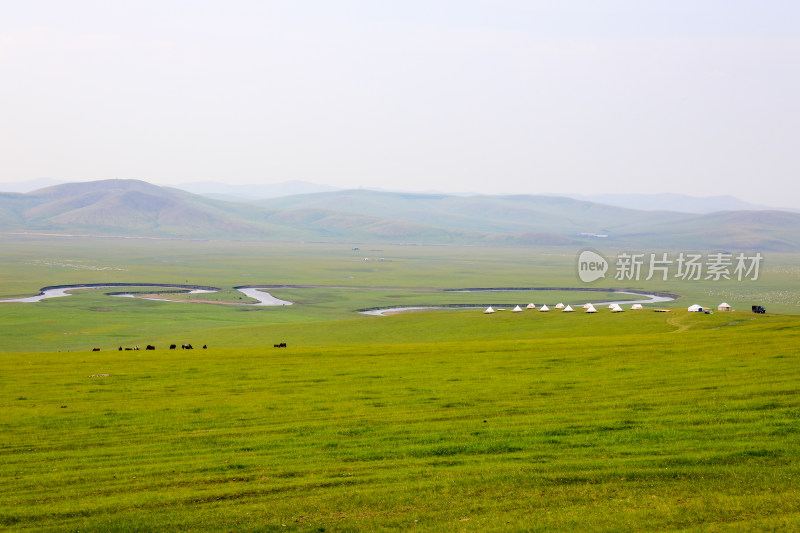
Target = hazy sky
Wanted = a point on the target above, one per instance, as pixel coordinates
(630, 96)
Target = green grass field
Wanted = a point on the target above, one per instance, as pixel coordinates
(687, 422)
(434, 421)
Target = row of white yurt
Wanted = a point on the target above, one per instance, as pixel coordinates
(615, 308)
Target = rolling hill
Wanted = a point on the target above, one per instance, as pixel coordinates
(137, 208)
(515, 217)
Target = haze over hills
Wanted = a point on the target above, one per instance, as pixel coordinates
(644, 202)
(256, 192)
(675, 202)
(139, 209)
(241, 193)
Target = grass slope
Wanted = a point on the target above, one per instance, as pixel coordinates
(132, 207)
(678, 422)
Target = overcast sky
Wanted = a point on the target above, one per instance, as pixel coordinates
(699, 97)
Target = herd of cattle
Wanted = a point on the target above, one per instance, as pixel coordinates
(175, 346)
(151, 347)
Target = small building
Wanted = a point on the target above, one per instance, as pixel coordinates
(723, 307)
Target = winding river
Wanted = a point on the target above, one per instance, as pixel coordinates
(264, 298)
(261, 297)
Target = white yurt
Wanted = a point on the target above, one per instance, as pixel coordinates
(695, 309)
(489, 310)
(517, 309)
(559, 305)
(591, 309)
(568, 309)
(723, 307)
(637, 306)
(544, 308)
(531, 306)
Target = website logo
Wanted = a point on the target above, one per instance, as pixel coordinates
(591, 266)
(685, 266)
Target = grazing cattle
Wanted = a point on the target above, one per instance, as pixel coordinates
(127, 349)
(150, 347)
(205, 347)
(120, 348)
(186, 347)
(135, 347)
(281, 345)
(95, 349)
(172, 346)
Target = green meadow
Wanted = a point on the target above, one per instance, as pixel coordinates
(447, 420)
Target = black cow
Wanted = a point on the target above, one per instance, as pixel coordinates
(205, 347)
(150, 347)
(172, 346)
(95, 349)
(120, 348)
(281, 345)
(186, 347)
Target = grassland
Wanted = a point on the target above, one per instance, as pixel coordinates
(686, 422)
(435, 421)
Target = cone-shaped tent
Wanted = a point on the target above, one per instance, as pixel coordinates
(517, 309)
(530, 306)
(617, 309)
(637, 306)
(489, 310)
(591, 309)
(559, 306)
(544, 308)
(568, 309)
(611, 306)
(587, 306)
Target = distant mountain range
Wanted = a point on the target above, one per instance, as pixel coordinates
(137, 208)
(240, 193)
(675, 202)
(254, 192)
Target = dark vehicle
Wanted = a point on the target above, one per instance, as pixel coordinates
(759, 309)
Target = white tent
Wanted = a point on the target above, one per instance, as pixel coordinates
(617, 309)
(517, 309)
(591, 309)
(611, 306)
(531, 306)
(637, 306)
(559, 306)
(544, 308)
(568, 309)
(587, 306)
(723, 307)
(695, 309)
(489, 310)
